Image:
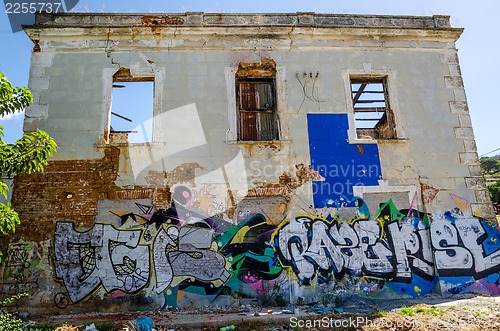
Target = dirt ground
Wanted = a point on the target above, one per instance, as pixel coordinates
(469, 313)
(461, 312)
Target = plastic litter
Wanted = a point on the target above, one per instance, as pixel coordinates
(91, 327)
(144, 324)
(227, 328)
(29, 324)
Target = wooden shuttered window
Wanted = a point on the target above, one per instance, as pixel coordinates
(257, 118)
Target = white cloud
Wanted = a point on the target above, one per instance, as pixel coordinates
(8, 117)
(12, 127)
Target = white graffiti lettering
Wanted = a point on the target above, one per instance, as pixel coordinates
(454, 245)
(412, 250)
(164, 242)
(102, 255)
(115, 259)
(448, 253)
(309, 245)
(459, 246)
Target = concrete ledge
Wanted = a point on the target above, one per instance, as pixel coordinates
(482, 196)
(241, 19)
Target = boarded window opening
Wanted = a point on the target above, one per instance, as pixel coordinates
(372, 114)
(257, 109)
(257, 117)
(131, 119)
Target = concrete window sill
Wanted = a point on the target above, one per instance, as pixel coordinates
(375, 141)
(257, 142)
(104, 145)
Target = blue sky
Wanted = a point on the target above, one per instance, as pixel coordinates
(478, 47)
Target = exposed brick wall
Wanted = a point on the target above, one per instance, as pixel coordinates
(70, 190)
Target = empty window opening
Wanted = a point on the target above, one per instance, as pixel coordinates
(257, 109)
(372, 115)
(131, 119)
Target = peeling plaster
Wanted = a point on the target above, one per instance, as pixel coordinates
(428, 193)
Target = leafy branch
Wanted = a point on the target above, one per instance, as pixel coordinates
(13, 99)
(26, 156)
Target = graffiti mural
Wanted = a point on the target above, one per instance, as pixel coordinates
(178, 254)
(117, 261)
(101, 256)
(392, 247)
(203, 200)
(466, 252)
(192, 258)
(254, 264)
(408, 251)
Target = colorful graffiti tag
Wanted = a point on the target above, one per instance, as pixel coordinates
(166, 251)
(466, 253)
(171, 251)
(254, 265)
(408, 250)
(392, 247)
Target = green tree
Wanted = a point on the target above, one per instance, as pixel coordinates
(495, 192)
(490, 165)
(27, 155)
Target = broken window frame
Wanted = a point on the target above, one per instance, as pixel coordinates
(385, 127)
(260, 113)
(123, 75)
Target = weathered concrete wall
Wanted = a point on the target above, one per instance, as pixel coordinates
(197, 217)
(204, 74)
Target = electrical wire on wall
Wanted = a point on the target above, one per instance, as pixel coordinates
(309, 88)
